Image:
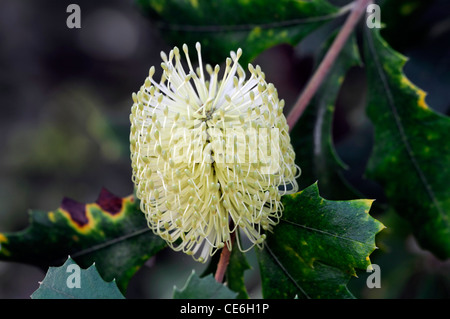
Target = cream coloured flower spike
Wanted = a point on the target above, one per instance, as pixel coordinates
(210, 154)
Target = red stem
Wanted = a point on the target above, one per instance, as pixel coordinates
(224, 260)
(359, 7)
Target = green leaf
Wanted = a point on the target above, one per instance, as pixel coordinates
(235, 272)
(316, 247)
(312, 136)
(112, 232)
(203, 288)
(411, 154)
(224, 26)
(71, 282)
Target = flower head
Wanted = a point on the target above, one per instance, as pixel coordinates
(210, 153)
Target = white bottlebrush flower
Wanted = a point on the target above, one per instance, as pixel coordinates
(210, 153)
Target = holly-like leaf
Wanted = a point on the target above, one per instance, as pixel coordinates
(411, 154)
(312, 136)
(203, 288)
(224, 26)
(71, 282)
(316, 247)
(112, 232)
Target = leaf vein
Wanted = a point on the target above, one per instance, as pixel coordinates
(110, 242)
(325, 232)
(286, 271)
(248, 27)
(57, 291)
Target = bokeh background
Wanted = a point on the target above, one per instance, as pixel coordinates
(65, 98)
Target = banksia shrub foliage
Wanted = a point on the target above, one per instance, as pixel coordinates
(210, 152)
(216, 158)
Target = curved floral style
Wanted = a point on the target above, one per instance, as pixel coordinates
(210, 153)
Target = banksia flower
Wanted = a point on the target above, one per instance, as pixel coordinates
(210, 154)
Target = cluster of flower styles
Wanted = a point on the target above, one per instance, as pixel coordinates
(210, 153)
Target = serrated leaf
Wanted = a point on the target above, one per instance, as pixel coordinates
(411, 154)
(312, 136)
(112, 232)
(203, 288)
(71, 282)
(316, 247)
(224, 26)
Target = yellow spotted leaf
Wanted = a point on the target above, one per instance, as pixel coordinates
(223, 26)
(411, 154)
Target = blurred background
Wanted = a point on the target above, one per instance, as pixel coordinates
(65, 99)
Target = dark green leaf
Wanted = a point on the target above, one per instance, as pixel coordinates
(203, 288)
(112, 232)
(312, 135)
(411, 155)
(235, 272)
(71, 282)
(316, 247)
(224, 26)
